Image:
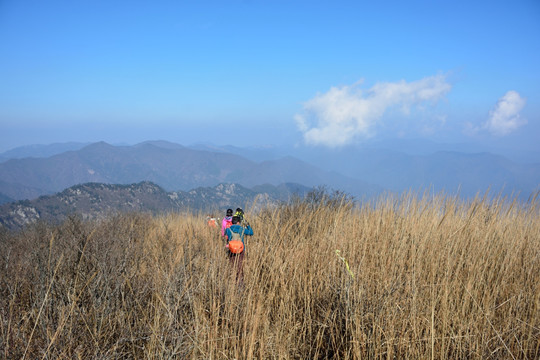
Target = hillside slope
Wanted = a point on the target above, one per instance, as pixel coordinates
(98, 200)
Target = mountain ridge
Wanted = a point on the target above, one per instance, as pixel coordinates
(174, 168)
(362, 171)
(98, 200)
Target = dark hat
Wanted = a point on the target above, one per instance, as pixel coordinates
(229, 212)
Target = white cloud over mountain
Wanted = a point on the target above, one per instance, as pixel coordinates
(505, 116)
(347, 113)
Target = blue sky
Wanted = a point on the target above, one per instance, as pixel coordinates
(310, 73)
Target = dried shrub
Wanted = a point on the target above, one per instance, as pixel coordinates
(414, 277)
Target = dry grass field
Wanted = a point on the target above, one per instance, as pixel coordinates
(414, 277)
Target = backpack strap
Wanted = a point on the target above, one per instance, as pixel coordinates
(241, 233)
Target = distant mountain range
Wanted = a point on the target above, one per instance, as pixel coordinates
(171, 166)
(362, 171)
(97, 200)
(401, 165)
(451, 172)
(41, 150)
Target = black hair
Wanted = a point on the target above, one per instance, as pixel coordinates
(229, 212)
(236, 219)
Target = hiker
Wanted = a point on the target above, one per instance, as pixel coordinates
(226, 222)
(211, 221)
(236, 245)
(240, 213)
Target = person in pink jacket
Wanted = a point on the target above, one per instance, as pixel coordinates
(226, 222)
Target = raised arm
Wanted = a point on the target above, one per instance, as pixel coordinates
(248, 230)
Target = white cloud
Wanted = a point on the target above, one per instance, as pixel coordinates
(505, 117)
(344, 114)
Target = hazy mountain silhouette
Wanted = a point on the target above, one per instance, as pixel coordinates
(362, 171)
(41, 151)
(402, 165)
(171, 166)
(448, 171)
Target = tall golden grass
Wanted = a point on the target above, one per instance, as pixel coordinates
(415, 276)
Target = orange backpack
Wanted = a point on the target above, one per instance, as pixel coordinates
(212, 222)
(236, 246)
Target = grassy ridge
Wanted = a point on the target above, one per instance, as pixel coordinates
(415, 277)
